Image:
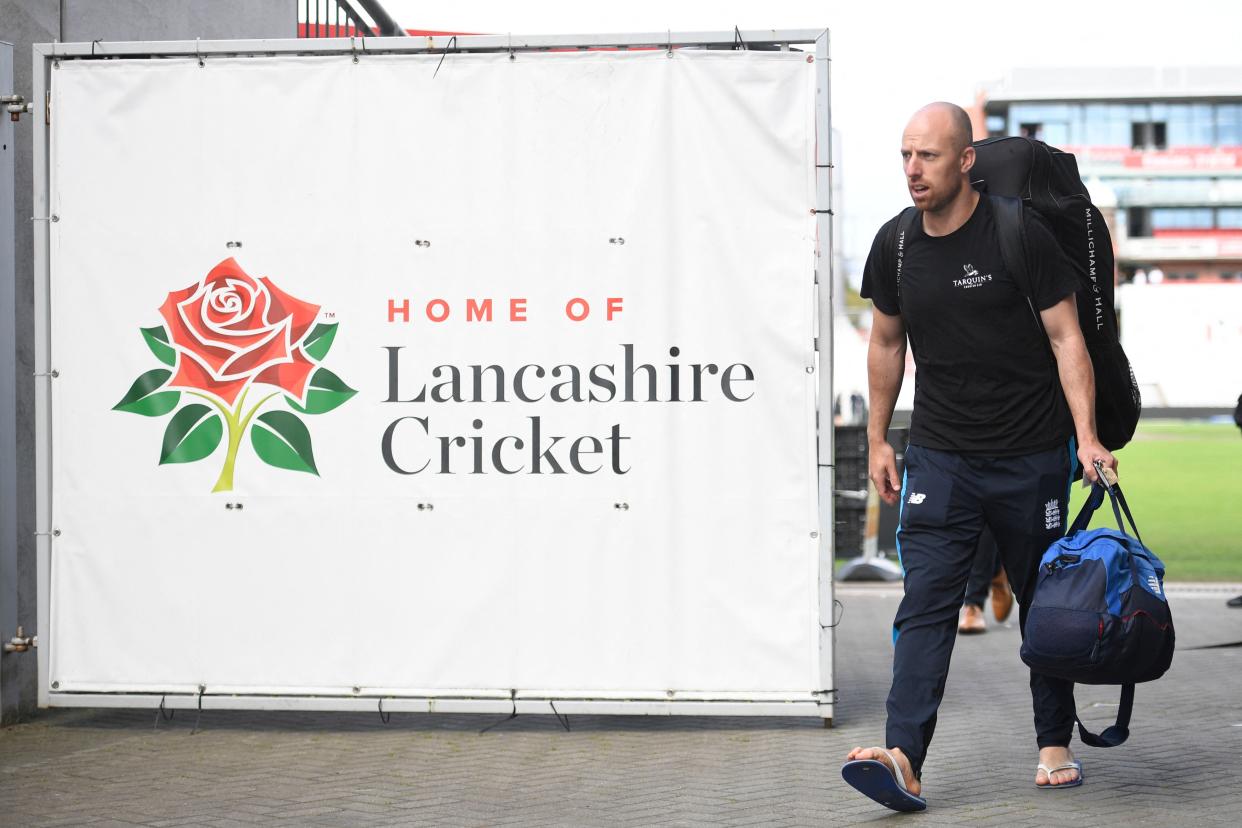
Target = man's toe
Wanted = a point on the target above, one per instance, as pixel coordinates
(1064, 777)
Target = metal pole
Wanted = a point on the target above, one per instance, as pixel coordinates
(824, 279)
(361, 28)
(40, 206)
(8, 382)
(387, 26)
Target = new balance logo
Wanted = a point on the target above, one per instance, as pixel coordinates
(916, 498)
(1052, 514)
(1154, 583)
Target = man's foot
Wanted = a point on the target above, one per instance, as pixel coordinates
(971, 621)
(903, 765)
(1002, 596)
(1057, 757)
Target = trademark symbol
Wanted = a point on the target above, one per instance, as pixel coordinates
(329, 314)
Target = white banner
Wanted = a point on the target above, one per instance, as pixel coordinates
(497, 377)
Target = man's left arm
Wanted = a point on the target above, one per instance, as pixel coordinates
(1077, 380)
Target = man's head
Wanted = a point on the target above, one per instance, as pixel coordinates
(936, 152)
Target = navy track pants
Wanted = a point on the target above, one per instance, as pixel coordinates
(946, 500)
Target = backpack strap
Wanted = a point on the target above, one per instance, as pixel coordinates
(1011, 235)
(896, 246)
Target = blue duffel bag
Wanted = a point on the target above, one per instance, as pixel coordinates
(1099, 614)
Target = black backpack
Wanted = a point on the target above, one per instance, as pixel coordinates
(1017, 171)
(1047, 179)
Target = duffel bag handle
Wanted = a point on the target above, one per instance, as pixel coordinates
(1088, 509)
(1111, 736)
(1116, 733)
(1118, 500)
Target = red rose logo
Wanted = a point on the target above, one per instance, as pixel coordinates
(224, 336)
(232, 329)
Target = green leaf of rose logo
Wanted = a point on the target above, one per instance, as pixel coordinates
(237, 343)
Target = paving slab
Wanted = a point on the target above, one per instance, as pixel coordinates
(116, 767)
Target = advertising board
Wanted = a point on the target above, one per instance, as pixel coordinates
(482, 378)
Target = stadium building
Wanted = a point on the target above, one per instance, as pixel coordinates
(1160, 149)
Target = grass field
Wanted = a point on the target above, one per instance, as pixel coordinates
(1183, 481)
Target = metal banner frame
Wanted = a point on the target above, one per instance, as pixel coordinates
(8, 376)
(815, 43)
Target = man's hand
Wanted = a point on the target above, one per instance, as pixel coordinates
(1089, 453)
(883, 468)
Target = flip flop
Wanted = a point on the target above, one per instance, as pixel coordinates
(883, 784)
(1074, 765)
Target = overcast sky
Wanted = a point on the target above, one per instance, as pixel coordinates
(889, 58)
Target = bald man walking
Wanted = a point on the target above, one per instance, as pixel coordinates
(997, 428)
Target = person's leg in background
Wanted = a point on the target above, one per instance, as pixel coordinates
(983, 575)
(1002, 592)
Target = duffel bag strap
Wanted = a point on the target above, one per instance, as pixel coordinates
(1119, 498)
(1118, 732)
(1111, 736)
(1088, 509)
(1118, 501)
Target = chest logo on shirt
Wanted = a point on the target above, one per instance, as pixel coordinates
(971, 278)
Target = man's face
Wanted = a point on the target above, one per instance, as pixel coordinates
(933, 165)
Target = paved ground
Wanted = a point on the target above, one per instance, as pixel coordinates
(245, 769)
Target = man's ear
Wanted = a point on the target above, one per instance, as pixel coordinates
(968, 159)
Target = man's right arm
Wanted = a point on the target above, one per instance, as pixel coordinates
(886, 367)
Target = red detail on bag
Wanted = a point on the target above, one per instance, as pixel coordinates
(1126, 618)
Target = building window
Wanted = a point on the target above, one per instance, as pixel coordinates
(1157, 125)
(1057, 134)
(1229, 125)
(1149, 135)
(1104, 125)
(1191, 125)
(1181, 218)
(1229, 218)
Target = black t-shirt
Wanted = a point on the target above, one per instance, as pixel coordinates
(985, 381)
